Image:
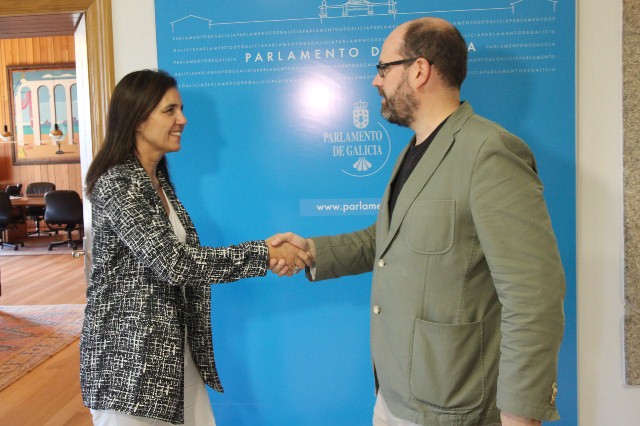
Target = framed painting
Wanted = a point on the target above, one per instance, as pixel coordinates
(44, 113)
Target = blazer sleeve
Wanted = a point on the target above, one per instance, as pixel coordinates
(345, 254)
(142, 225)
(515, 233)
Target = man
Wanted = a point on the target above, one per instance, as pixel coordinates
(468, 287)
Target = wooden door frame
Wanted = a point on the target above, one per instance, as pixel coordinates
(99, 36)
(97, 40)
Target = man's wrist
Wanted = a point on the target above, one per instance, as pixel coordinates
(513, 420)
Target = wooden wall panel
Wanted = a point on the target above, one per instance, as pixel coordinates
(32, 51)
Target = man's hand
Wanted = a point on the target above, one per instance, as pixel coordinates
(513, 420)
(305, 252)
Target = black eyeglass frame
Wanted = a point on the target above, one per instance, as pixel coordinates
(383, 66)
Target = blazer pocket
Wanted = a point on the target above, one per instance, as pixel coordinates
(446, 365)
(431, 226)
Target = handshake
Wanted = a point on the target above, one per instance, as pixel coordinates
(290, 253)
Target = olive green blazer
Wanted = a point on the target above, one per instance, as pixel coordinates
(468, 286)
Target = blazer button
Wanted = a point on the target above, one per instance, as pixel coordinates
(381, 263)
(376, 310)
(554, 393)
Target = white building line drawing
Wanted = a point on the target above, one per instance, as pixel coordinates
(358, 6)
(206, 21)
(364, 8)
(554, 3)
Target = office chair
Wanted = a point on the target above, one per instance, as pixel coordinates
(14, 190)
(63, 211)
(36, 213)
(8, 218)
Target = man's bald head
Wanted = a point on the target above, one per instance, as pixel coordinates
(439, 42)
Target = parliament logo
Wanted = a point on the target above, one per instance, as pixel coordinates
(360, 115)
(361, 152)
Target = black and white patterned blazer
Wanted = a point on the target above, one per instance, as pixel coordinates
(132, 343)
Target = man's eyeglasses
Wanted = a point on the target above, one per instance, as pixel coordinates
(383, 66)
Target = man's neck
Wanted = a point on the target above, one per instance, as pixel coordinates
(431, 115)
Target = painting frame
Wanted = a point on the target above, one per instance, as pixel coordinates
(46, 94)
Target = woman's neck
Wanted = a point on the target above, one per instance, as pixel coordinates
(150, 166)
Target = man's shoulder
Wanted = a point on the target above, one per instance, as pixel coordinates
(480, 128)
(476, 133)
(477, 122)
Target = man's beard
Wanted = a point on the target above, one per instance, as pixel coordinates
(399, 108)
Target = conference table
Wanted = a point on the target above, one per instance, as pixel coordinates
(20, 231)
(27, 201)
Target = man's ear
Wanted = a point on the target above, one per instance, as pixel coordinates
(423, 73)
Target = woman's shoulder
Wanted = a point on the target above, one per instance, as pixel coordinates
(117, 172)
(118, 177)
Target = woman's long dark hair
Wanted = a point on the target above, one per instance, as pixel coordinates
(133, 100)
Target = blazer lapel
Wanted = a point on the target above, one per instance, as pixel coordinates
(192, 237)
(383, 215)
(146, 188)
(422, 173)
(142, 181)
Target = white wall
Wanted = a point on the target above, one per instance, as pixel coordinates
(134, 36)
(603, 398)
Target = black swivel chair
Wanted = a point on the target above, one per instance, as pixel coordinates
(36, 213)
(14, 190)
(8, 218)
(63, 211)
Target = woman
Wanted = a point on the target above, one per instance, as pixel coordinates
(148, 300)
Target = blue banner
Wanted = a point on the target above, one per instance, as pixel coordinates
(285, 133)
